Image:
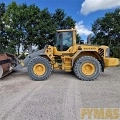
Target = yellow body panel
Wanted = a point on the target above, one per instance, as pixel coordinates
(109, 62)
(88, 47)
(49, 52)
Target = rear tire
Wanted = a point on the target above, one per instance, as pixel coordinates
(39, 68)
(87, 68)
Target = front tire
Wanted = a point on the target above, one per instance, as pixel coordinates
(87, 68)
(39, 68)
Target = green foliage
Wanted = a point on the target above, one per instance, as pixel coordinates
(14, 31)
(3, 41)
(107, 31)
(22, 25)
(79, 40)
(62, 21)
(115, 51)
(22, 57)
(10, 49)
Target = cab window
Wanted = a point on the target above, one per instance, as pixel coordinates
(67, 40)
(63, 40)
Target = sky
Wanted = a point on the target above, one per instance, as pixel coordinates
(84, 12)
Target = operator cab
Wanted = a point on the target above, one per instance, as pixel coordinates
(64, 40)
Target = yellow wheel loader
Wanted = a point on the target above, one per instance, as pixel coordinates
(86, 61)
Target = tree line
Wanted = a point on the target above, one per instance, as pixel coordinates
(107, 31)
(23, 25)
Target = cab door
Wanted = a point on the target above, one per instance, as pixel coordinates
(64, 40)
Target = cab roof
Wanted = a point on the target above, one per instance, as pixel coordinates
(66, 30)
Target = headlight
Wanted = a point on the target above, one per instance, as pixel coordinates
(107, 52)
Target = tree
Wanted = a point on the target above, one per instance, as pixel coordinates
(28, 25)
(79, 40)
(107, 30)
(62, 21)
(13, 27)
(47, 28)
(3, 41)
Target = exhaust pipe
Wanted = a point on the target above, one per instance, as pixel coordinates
(7, 63)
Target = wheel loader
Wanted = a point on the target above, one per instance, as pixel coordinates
(86, 61)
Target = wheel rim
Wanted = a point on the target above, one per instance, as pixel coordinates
(39, 69)
(88, 69)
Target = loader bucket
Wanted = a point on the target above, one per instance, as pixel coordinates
(7, 63)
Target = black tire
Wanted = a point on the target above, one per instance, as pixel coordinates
(82, 61)
(45, 63)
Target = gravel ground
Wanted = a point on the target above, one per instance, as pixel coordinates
(58, 98)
